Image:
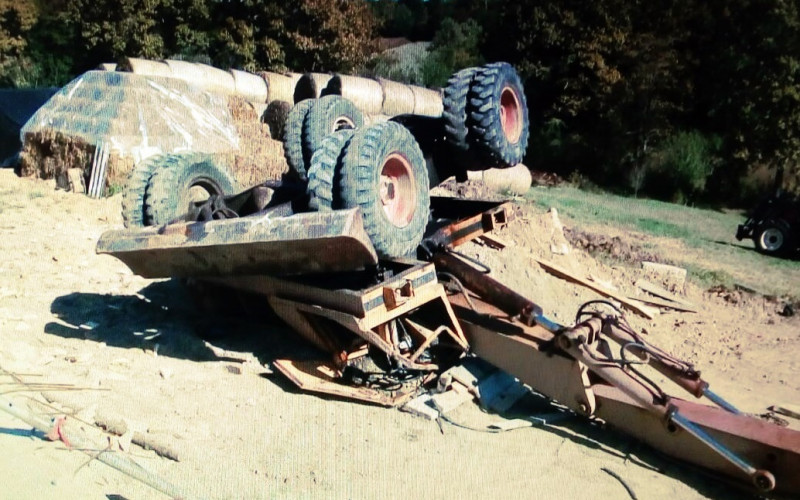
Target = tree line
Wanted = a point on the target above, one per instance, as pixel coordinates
(688, 100)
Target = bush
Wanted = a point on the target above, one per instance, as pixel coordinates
(678, 170)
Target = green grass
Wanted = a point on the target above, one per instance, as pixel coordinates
(710, 251)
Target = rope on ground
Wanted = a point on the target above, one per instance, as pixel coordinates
(622, 481)
(115, 460)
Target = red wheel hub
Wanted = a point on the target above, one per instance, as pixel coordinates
(397, 195)
(510, 115)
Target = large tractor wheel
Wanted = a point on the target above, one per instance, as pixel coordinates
(327, 115)
(324, 174)
(455, 108)
(383, 172)
(498, 115)
(773, 237)
(133, 211)
(182, 180)
(293, 137)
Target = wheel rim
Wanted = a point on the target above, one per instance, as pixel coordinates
(342, 123)
(397, 195)
(202, 189)
(510, 115)
(771, 239)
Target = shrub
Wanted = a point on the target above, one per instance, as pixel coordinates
(678, 169)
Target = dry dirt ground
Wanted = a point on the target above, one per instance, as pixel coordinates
(133, 349)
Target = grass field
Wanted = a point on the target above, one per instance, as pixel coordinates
(703, 241)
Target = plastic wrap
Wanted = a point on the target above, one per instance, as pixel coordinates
(138, 115)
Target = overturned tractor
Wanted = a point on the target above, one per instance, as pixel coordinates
(328, 246)
(344, 157)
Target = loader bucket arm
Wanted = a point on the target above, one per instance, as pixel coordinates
(567, 366)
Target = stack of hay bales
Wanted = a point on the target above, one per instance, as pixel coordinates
(141, 107)
(138, 115)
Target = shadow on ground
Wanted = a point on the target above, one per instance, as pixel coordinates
(166, 316)
(596, 435)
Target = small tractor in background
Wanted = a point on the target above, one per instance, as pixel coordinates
(774, 224)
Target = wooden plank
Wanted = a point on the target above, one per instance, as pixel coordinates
(493, 241)
(448, 401)
(655, 301)
(788, 410)
(658, 291)
(559, 271)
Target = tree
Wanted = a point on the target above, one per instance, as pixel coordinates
(455, 46)
(327, 35)
(17, 18)
(749, 84)
(307, 35)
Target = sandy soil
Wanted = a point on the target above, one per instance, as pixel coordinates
(133, 348)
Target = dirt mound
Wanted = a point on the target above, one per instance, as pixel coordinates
(614, 246)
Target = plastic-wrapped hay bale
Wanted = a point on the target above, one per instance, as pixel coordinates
(249, 86)
(145, 67)
(398, 98)
(427, 102)
(365, 93)
(281, 87)
(217, 80)
(186, 71)
(136, 114)
(310, 86)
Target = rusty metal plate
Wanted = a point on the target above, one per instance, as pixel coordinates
(302, 243)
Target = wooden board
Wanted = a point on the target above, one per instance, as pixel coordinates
(655, 301)
(559, 271)
(658, 291)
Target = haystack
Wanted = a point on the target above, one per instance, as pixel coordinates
(137, 115)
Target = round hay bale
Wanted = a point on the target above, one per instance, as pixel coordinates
(372, 119)
(365, 93)
(310, 86)
(516, 180)
(249, 86)
(186, 71)
(427, 102)
(145, 67)
(216, 79)
(281, 87)
(398, 98)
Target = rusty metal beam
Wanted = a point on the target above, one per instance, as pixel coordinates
(490, 289)
(529, 353)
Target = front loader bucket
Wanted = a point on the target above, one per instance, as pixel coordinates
(281, 246)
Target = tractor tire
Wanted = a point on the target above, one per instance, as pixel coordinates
(324, 174)
(383, 172)
(773, 237)
(455, 108)
(498, 116)
(184, 179)
(293, 137)
(133, 211)
(327, 115)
